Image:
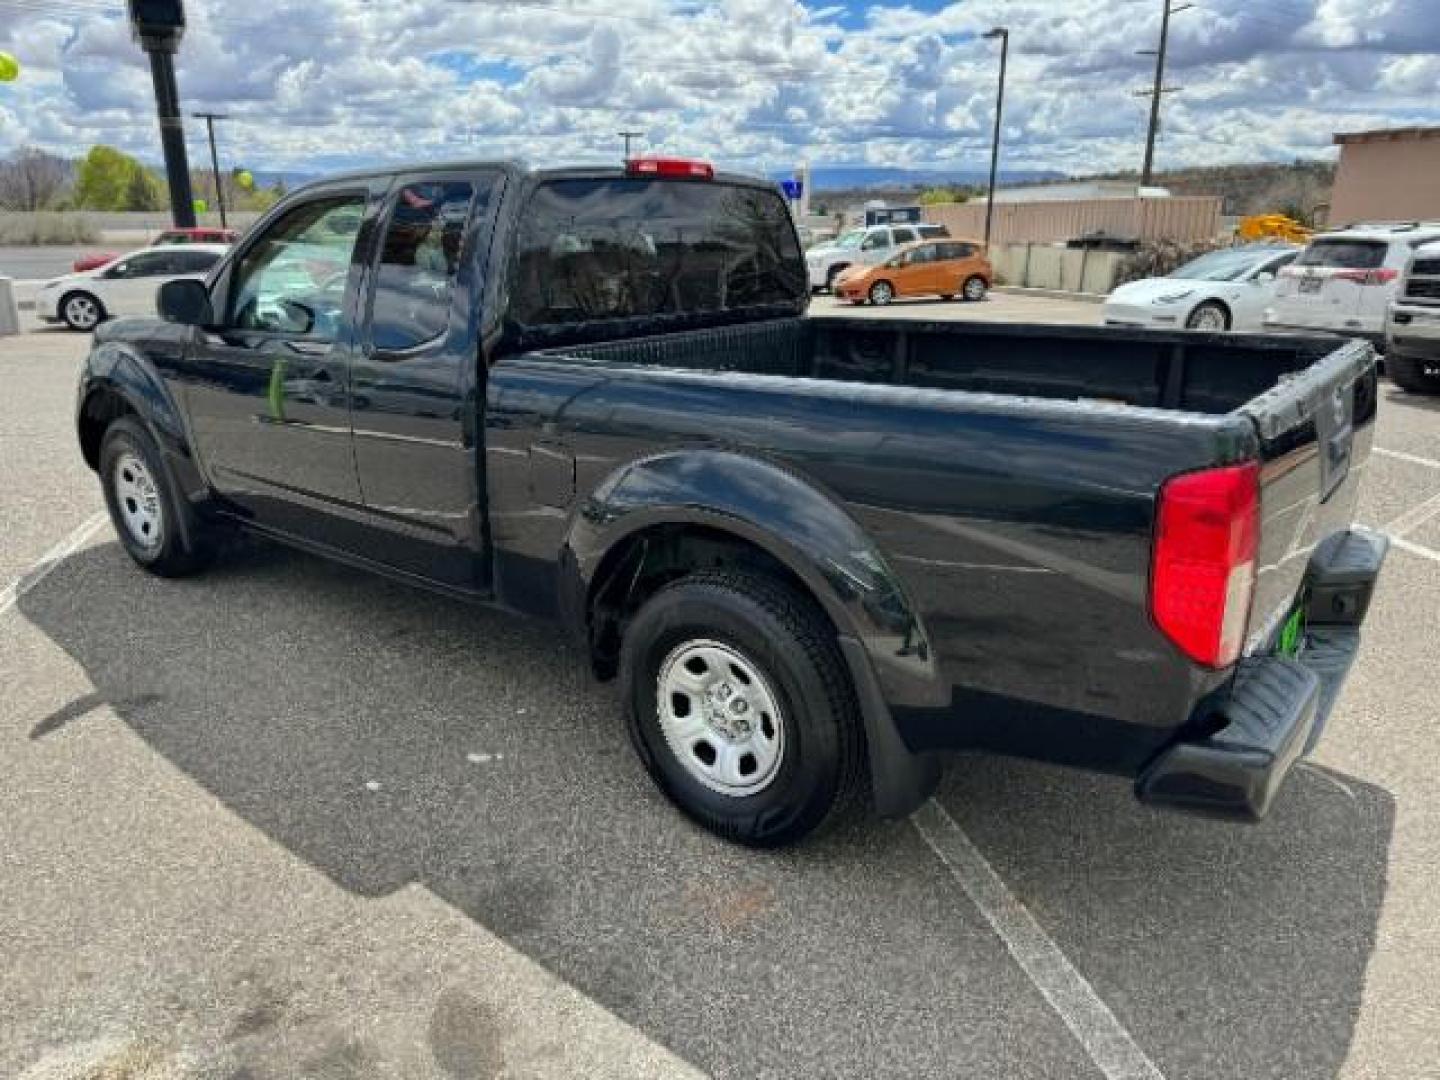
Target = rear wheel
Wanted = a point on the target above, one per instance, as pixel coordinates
(974, 288)
(143, 506)
(81, 311)
(1211, 315)
(881, 293)
(741, 707)
(1413, 374)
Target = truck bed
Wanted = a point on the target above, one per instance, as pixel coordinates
(1006, 475)
(1191, 372)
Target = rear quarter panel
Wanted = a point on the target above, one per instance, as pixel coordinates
(1018, 530)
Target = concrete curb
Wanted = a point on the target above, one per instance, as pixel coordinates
(1053, 294)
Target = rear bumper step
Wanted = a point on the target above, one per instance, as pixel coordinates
(1276, 707)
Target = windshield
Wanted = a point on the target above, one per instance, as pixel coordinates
(850, 239)
(1222, 265)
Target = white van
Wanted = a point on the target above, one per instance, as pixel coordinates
(1343, 281)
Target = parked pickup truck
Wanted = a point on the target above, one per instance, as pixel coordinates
(817, 553)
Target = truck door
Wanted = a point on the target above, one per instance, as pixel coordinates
(416, 378)
(268, 388)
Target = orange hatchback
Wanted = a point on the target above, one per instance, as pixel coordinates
(943, 268)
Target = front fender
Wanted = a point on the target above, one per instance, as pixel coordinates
(783, 514)
(125, 362)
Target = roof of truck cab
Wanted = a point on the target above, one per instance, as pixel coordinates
(520, 168)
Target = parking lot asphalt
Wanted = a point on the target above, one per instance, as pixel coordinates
(286, 819)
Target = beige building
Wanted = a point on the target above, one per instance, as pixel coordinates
(1387, 176)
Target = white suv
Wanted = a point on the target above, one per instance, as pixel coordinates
(1343, 281)
(1412, 332)
(870, 246)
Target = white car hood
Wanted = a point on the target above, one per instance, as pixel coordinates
(1148, 290)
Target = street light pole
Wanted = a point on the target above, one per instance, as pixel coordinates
(627, 136)
(159, 25)
(1159, 90)
(1003, 33)
(210, 118)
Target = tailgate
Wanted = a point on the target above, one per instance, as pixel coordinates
(1315, 429)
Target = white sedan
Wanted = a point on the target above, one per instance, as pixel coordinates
(125, 286)
(1224, 290)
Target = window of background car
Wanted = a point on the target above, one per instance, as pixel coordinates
(292, 279)
(904, 236)
(145, 264)
(1345, 254)
(875, 241)
(192, 262)
(626, 248)
(419, 261)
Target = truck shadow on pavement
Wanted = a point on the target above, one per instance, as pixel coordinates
(385, 737)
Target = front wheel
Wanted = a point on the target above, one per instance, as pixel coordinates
(1209, 316)
(881, 293)
(143, 506)
(974, 289)
(1413, 374)
(81, 311)
(741, 707)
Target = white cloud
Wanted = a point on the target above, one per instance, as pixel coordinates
(750, 83)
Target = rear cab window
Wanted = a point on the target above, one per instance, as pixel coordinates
(631, 250)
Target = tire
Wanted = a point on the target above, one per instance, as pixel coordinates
(81, 311)
(1410, 373)
(974, 289)
(881, 293)
(1211, 316)
(790, 671)
(144, 509)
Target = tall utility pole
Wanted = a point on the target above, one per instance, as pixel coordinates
(627, 136)
(1168, 8)
(210, 118)
(1003, 34)
(159, 25)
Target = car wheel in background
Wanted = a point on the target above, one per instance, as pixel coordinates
(881, 293)
(1413, 374)
(830, 276)
(741, 707)
(81, 311)
(974, 288)
(157, 530)
(1211, 315)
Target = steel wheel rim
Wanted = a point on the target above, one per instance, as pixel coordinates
(720, 717)
(137, 498)
(974, 289)
(82, 311)
(1207, 318)
(882, 293)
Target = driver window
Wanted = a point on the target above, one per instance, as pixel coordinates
(292, 279)
(419, 261)
(873, 241)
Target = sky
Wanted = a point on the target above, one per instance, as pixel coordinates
(756, 84)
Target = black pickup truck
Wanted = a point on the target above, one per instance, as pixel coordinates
(817, 553)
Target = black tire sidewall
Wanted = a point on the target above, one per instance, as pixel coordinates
(965, 288)
(170, 555)
(1408, 373)
(1212, 306)
(881, 303)
(803, 790)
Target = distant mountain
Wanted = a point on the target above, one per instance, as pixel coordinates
(851, 177)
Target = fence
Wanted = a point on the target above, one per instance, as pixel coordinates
(1184, 218)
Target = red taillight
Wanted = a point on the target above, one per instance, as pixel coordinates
(1383, 276)
(1204, 570)
(663, 166)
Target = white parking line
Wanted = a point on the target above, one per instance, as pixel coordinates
(49, 561)
(1414, 459)
(1415, 549)
(1074, 1000)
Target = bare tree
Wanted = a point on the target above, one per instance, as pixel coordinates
(31, 179)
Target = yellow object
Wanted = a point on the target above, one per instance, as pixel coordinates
(9, 67)
(201, 206)
(1273, 227)
(244, 179)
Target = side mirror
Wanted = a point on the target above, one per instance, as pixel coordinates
(185, 301)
